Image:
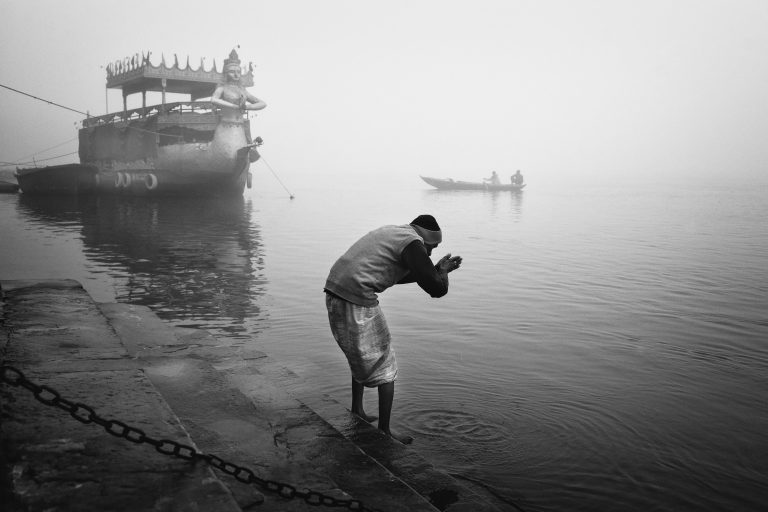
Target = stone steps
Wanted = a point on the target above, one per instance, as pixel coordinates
(185, 385)
(57, 336)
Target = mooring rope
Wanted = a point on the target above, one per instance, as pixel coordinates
(275, 175)
(23, 160)
(36, 160)
(46, 101)
(86, 114)
(50, 148)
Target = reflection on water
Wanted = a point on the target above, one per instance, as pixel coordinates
(194, 261)
(502, 202)
(600, 349)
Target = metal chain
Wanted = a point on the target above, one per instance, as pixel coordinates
(85, 414)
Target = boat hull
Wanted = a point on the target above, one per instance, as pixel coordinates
(178, 151)
(78, 179)
(162, 182)
(449, 184)
(69, 179)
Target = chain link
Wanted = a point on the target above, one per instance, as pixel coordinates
(85, 414)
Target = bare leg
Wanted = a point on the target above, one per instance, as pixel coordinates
(386, 397)
(357, 401)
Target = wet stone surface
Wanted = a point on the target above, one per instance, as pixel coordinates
(185, 386)
(57, 337)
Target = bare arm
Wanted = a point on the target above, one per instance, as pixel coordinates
(433, 279)
(255, 103)
(249, 101)
(216, 99)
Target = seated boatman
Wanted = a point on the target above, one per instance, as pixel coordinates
(494, 179)
(389, 255)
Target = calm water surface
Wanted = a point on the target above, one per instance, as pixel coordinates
(601, 348)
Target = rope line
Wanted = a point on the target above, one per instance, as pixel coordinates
(79, 112)
(50, 148)
(11, 164)
(275, 175)
(46, 101)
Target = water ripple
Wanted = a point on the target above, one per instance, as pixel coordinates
(598, 350)
(461, 426)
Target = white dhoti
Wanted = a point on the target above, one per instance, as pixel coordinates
(363, 336)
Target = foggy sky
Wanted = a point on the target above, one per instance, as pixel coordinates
(558, 89)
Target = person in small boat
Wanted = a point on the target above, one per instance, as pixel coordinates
(389, 255)
(517, 178)
(231, 96)
(494, 179)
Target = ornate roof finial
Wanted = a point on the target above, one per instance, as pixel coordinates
(233, 60)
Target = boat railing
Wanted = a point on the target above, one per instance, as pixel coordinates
(180, 107)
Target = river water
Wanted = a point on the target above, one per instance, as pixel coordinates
(601, 348)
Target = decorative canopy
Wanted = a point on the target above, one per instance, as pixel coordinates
(137, 74)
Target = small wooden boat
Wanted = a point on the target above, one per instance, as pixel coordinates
(450, 184)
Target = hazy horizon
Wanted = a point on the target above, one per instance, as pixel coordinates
(557, 89)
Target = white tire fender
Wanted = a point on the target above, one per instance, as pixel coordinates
(150, 181)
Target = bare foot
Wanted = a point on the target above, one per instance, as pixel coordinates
(366, 417)
(405, 439)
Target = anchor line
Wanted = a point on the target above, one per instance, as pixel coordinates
(24, 161)
(44, 100)
(50, 148)
(85, 113)
(10, 164)
(275, 175)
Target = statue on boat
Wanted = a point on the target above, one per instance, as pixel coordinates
(231, 96)
(202, 146)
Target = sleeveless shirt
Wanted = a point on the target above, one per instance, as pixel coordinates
(371, 265)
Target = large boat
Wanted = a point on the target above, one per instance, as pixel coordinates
(450, 184)
(195, 147)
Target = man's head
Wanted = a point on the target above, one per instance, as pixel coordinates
(428, 229)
